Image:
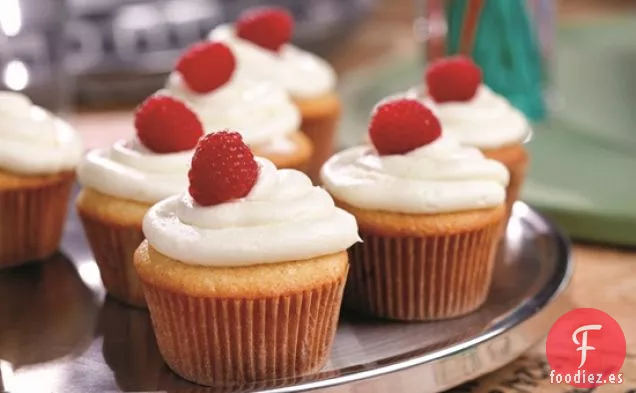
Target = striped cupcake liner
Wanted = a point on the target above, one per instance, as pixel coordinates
(517, 166)
(32, 221)
(422, 278)
(113, 248)
(234, 342)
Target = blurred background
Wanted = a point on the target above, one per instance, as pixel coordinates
(104, 53)
(101, 53)
(97, 53)
(93, 61)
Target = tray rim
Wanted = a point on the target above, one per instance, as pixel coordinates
(550, 296)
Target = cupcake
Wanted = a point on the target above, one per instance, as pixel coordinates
(244, 273)
(269, 121)
(428, 210)
(38, 155)
(478, 117)
(121, 182)
(260, 39)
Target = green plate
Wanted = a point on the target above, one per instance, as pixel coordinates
(583, 170)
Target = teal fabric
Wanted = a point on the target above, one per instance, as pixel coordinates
(507, 49)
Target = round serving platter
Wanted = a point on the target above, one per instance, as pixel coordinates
(59, 333)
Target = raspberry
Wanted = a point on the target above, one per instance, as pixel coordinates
(206, 66)
(166, 125)
(223, 168)
(453, 78)
(402, 125)
(267, 27)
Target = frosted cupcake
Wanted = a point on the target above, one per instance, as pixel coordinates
(121, 182)
(428, 210)
(260, 39)
(269, 121)
(38, 155)
(478, 117)
(244, 273)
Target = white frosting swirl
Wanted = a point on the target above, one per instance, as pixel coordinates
(261, 112)
(283, 218)
(303, 74)
(129, 170)
(33, 141)
(486, 121)
(440, 177)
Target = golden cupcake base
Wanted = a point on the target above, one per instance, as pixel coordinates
(32, 215)
(113, 230)
(516, 159)
(422, 267)
(231, 326)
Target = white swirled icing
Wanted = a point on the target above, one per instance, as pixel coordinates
(486, 121)
(129, 170)
(283, 218)
(32, 140)
(261, 112)
(303, 74)
(440, 177)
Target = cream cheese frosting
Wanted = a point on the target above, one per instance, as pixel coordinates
(440, 177)
(262, 111)
(283, 218)
(486, 121)
(129, 170)
(33, 141)
(303, 74)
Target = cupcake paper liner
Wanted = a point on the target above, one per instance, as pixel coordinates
(113, 248)
(233, 342)
(322, 133)
(32, 221)
(422, 278)
(517, 165)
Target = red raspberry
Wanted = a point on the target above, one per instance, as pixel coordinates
(267, 27)
(453, 78)
(223, 168)
(166, 125)
(206, 66)
(402, 125)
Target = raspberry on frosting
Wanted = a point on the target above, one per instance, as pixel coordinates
(455, 78)
(267, 27)
(223, 168)
(166, 125)
(399, 126)
(206, 66)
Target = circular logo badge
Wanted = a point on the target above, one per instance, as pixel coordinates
(586, 348)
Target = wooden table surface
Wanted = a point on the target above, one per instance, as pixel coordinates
(604, 278)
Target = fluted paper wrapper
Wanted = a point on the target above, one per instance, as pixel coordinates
(421, 279)
(322, 133)
(517, 165)
(32, 221)
(231, 342)
(113, 248)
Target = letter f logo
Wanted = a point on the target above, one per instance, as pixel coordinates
(583, 344)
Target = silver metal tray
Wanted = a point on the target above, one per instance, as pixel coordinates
(59, 334)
